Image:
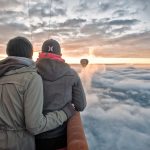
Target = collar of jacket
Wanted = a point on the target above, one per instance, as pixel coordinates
(13, 64)
(51, 56)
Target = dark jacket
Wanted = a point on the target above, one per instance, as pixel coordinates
(21, 104)
(62, 85)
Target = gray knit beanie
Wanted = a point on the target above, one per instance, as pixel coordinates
(19, 46)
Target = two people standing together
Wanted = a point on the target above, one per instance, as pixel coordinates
(36, 98)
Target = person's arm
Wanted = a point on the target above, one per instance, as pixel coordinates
(78, 95)
(35, 121)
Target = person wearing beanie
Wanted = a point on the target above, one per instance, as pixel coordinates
(62, 85)
(21, 99)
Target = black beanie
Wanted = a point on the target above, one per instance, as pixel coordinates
(51, 46)
(19, 46)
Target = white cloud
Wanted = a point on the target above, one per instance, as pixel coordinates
(118, 109)
(83, 20)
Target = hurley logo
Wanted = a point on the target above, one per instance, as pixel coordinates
(50, 49)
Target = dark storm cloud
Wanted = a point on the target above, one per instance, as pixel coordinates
(124, 22)
(90, 29)
(121, 30)
(64, 29)
(121, 13)
(72, 23)
(10, 13)
(40, 25)
(100, 6)
(104, 27)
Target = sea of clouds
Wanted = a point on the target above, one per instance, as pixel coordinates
(117, 116)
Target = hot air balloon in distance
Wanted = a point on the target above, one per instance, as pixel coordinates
(84, 62)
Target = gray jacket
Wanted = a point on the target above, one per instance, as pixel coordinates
(21, 105)
(62, 85)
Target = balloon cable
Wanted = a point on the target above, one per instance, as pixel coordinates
(50, 15)
(29, 17)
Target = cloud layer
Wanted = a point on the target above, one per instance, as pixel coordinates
(117, 115)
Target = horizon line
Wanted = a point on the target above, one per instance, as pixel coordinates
(101, 60)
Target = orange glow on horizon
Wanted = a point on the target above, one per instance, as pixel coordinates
(96, 60)
(101, 60)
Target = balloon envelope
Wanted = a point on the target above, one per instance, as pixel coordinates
(84, 62)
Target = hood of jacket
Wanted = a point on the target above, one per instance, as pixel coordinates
(52, 70)
(12, 65)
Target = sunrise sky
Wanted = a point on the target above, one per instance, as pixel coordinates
(85, 28)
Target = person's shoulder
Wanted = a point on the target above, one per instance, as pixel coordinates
(32, 74)
(73, 72)
(35, 75)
